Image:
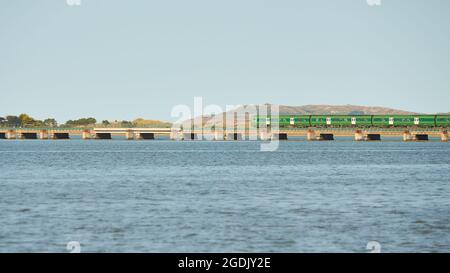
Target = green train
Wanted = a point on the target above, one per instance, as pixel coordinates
(355, 121)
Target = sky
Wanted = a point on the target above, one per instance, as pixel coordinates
(120, 60)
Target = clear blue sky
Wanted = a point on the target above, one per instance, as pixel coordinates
(117, 59)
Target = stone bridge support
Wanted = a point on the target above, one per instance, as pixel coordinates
(311, 135)
(444, 136)
(11, 134)
(43, 134)
(86, 134)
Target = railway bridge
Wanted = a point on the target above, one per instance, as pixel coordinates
(311, 133)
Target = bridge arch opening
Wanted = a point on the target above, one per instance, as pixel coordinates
(61, 136)
(280, 136)
(103, 136)
(147, 136)
(29, 135)
(2, 135)
(422, 137)
(326, 137)
(373, 137)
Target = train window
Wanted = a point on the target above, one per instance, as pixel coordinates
(353, 121)
(328, 121)
(391, 121)
(292, 122)
(416, 121)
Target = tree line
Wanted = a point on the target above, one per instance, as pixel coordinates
(26, 121)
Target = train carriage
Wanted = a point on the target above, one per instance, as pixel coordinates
(403, 120)
(341, 120)
(443, 121)
(301, 121)
(425, 120)
(355, 121)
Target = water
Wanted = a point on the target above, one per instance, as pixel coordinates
(164, 196)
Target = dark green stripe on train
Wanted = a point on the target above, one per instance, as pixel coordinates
(356, 121)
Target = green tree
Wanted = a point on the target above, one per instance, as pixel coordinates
(126, 124)
(13, 121)
(80, 122)
(26, 120)
(106, 123)
(50, 122)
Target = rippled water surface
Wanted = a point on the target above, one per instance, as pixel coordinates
(164, 196)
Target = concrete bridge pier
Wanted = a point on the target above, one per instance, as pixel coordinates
(11, 134)
(311, 135)
(359, 136)
(43, 134)
(130, 135)
(175, 135)
(86, 134)
(444, 136)
(407, 136)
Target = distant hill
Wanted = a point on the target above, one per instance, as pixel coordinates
(340, 110)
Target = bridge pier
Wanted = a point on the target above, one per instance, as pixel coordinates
(407, 136)
(444, 136)
(176, 135)
(311, 135)
(86, 134)
(43, 134)
(359, 136)
(11, 134)
(130, 135)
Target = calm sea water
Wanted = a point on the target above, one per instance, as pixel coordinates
(165, 196)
